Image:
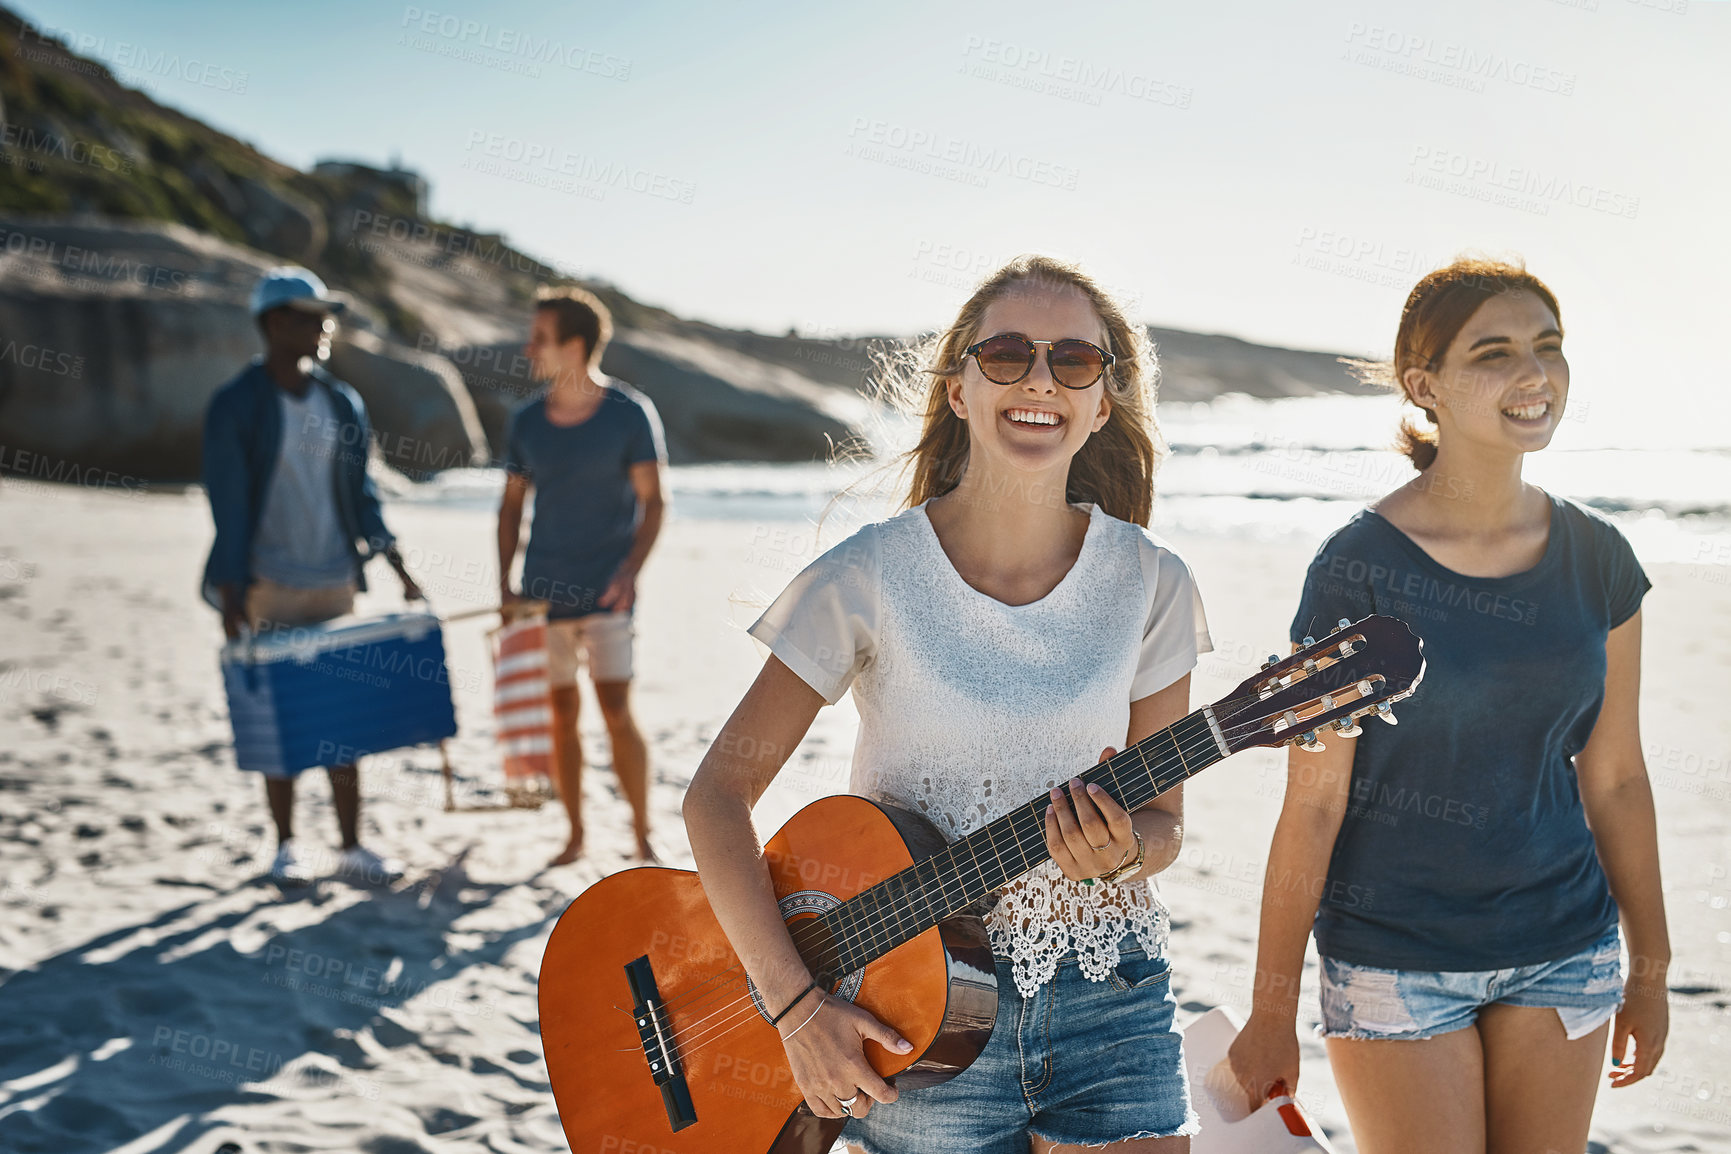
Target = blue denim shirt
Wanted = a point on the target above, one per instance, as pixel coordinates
(242, 438)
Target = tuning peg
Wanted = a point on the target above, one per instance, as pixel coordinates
(1347, 727)
(1343, 623)
(1309, 641)
(1387, 714)
(1309, 743)
(1273, 660)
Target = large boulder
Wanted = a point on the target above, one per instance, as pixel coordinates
(716, 403)
(423, 419)
(496, 377)
(114, 336)
(719, 404)
(278, 220)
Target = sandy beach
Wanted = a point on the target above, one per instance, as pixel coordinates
(156, 995)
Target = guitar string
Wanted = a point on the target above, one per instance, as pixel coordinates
(1201, 737)
(1200, 742)
(876, 942)
(690, 1044)
(685, 1000)
(744, 1014)
(1022, 837)
(1021, 841)
(719, 985)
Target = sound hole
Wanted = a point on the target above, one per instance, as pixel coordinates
(798, 909)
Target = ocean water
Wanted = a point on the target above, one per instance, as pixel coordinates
(1272, 469)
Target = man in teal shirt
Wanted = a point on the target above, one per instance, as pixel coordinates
(591, 449)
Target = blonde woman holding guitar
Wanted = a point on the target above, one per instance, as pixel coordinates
(1015, 624)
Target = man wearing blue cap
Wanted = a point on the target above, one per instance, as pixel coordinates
(285, 470)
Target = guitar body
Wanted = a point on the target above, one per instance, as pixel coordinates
(938, 989)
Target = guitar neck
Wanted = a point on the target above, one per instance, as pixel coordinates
(903, 906)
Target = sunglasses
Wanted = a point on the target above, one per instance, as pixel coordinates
(1006, 359)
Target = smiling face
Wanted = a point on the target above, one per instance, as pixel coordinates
(1034, 425)
(1503, 383)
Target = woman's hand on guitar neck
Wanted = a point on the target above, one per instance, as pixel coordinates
(1087, 833)
(827, 1053)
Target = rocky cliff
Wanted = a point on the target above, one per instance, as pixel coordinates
(130, 235)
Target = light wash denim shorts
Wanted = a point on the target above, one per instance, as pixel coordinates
(1586, 990)
(1080, 1062)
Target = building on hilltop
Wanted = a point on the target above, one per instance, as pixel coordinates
(406, 179)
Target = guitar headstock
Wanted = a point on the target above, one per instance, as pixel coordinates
(1360, 669)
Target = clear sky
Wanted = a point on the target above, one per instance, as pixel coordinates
(1275, 170)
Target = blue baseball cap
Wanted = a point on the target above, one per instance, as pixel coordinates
(292, 285)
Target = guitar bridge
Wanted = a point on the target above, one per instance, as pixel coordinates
(655, 1029)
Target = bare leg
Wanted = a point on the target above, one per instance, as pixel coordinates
(1413, 1097)
(346, 798)
(280, 793)
(630, 758)
(568, 768)
(1539, 1086)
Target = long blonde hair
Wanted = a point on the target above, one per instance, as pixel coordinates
(1114, 469)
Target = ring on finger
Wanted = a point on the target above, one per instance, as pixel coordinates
(846, 1104)
(1101, 848)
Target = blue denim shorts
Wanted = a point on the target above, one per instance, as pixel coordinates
(1079, 1062)
(1586, 990)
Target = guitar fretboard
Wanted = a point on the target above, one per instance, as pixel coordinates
(901, 907)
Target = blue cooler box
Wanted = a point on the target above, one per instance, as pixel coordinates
(328, 694)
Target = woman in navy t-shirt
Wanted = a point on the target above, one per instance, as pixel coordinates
(1467, 869)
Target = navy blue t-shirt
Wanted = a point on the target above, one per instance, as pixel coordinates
(1464, 845)
(586, 511)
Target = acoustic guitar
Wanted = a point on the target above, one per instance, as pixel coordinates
(658, 1043)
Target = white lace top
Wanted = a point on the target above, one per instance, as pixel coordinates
(970, 707)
